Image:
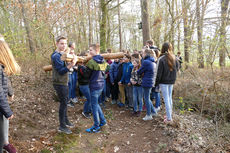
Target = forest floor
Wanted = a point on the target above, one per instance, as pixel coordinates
(34, 128)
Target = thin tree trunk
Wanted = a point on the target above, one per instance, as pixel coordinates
(222, 47)
(119, 24)
(186, 31)
(145, 20)
(89, 19)
(200, 35)
(27, 27)
(103, 26)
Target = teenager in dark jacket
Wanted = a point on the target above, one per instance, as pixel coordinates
(8, 66)
(167, 67)
(83, 81)
(147, 70)
(97, 67)
(113, 75)
(121, 87)
(125, 80)
(60, 82)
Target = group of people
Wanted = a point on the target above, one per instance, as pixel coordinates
(133, 81)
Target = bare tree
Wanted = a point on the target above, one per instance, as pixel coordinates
(145, 20)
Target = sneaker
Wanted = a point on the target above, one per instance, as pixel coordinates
(153, 114)
(75, 100)
(70, 104)
(107, 99)
(93, 129)
(148, 117)
(166, 121)
(158, 109)
(113, 102)
(64, 130)
(70, 125)
(86, 115)
(9, 148)
(103, 124)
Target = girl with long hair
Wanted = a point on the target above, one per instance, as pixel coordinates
(8, 66)
(167, 67)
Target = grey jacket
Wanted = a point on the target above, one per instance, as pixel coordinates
(5, 89)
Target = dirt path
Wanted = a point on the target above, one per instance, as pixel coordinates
(34, 128)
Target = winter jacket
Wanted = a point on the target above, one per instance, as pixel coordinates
(119, 72)
(137, 78)
(126, 73)
(60, 71)
(164, 75)
(97, 67)
(5, 90)
(83, 75)
(113, 71)
(147, 68)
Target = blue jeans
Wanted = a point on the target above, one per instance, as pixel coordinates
(62, 92)
(149, 105)
(129, 95)
(98, 115)
(103, 95)
(86, 92)
(72, 84)
(166, 90)
(137, 97)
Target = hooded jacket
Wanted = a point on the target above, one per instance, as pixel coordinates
(113, 71)
(126, 73)
(97, 67)
(147, 70)
(5, 90)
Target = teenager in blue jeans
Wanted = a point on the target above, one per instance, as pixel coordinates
(83, 81)
(137, 89)
(167, 67)
(60, 82)
(97, 67)
(147, 70)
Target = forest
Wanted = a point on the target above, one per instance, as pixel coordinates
(199, 29)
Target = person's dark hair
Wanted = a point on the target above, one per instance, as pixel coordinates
(135, 55)
(60, 38)
(178, 53)
(70, 44)
(150, 42)
(157, 52)
(109, 50)
(128, 56)
(167, 51)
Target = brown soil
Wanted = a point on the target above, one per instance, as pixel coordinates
(34, 127)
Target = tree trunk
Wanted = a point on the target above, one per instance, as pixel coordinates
(145, 20)
(89, 19)
(222, 48)
(103, 26)
(186, 31)
(27, 27)
(119, 25)
(199, 35)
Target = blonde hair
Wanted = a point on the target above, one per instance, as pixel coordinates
(7, 59)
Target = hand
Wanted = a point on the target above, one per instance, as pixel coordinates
(119, 83)
(11, 98)
(112, 83)
(11, 117)
(129, 84)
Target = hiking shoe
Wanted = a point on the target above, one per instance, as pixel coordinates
(93, 129)
(64, 130)
(120, 104)
(70, 125)
(148, 117)
(158, 109)
(86, 115)
(102, 124)
(113, 102)
(75, 100)
(9, 148)
(70, 104)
